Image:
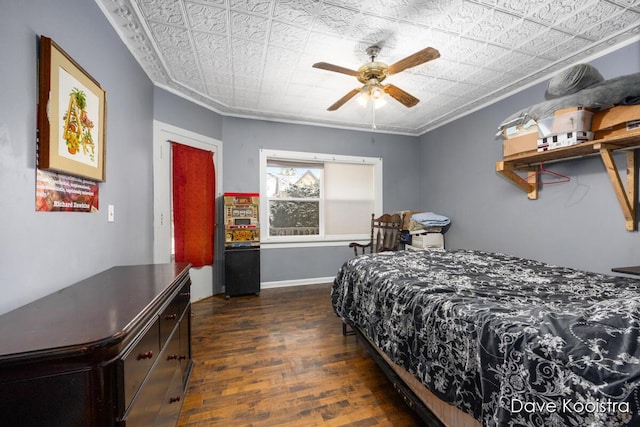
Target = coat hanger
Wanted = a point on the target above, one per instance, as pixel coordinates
(559, 178)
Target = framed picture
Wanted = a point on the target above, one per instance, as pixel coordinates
(71, 116)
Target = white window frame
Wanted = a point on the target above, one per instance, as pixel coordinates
(300, 156)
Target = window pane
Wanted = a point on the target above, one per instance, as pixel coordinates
(294, 218)
(349, 198)
(294, 182)
(348, 216)
(348, 181)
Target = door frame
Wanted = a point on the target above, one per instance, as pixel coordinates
(206, 281)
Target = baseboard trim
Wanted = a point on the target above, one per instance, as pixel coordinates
(296, 282)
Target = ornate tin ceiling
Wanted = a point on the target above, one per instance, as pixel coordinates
(253, 58)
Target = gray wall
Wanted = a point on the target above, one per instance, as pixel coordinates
(43, 252)
(180, 112)
(577, 224)
(243, 139)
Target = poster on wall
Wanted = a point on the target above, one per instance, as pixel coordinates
(56, 192)
(71, 116)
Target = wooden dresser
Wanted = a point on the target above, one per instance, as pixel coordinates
(111, 350)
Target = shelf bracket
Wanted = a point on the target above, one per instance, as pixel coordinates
(626, 196)
(529, 185)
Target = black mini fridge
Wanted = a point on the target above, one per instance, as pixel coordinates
(241, 271)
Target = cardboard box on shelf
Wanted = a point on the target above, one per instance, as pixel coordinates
(623, 120)
(519, 138)
(520, 144)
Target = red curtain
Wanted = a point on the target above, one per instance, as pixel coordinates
(193, 204)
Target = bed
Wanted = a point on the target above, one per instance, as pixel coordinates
(495, 340)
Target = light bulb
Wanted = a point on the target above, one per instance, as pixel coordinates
(376, 92)
(379, 102)
(363, 99)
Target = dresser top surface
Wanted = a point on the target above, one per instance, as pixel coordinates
(99, 311)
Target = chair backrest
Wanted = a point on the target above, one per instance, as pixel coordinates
(385, 234)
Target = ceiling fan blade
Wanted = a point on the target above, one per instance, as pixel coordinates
(336, 68)
(344, 99)
(425, 55)
(401, 96)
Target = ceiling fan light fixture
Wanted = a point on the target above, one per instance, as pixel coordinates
(376, 91)
(379, 102)
(363, 98)
(372, 91)
(373, 73)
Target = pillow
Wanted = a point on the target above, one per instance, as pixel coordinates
(572, 80)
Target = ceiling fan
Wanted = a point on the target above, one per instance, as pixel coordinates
(371, 75)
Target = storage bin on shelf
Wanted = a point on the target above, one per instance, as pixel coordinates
(422, 239)
(567, 120)
(568, 126)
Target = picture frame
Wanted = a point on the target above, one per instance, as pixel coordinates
(71, 116)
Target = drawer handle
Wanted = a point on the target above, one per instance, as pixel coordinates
(171, 317)
(145, 355)
(174, 399)
(176, 357)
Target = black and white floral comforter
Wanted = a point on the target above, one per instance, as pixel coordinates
(514, 342)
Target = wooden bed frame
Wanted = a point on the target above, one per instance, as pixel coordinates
(433, 411)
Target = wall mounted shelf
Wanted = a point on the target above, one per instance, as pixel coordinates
(521, 169)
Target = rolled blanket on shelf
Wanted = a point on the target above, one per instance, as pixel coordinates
(623, 90)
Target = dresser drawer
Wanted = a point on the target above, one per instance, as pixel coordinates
(172, 403)
(185, 345)
(169, 319)
(184, 295)
(148, 401)
(136, 363)
(171, 314)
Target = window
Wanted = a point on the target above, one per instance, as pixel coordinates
(306, 197)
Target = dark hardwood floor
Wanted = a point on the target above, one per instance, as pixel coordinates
(280, 359)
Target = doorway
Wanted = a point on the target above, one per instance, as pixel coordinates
(206, 280)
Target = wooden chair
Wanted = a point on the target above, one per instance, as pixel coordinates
(385, 235)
